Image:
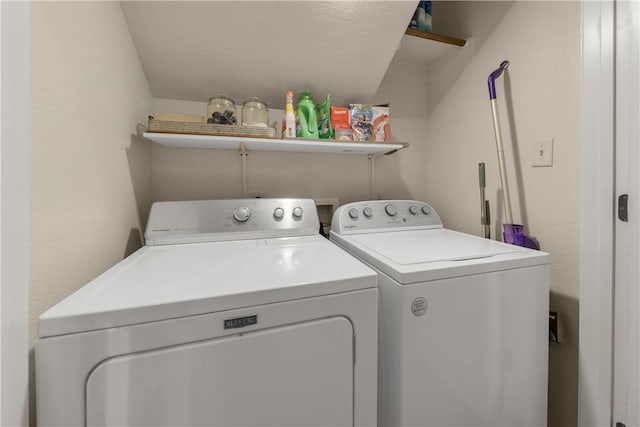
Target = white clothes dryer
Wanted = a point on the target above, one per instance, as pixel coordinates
(236, 312)
(463, 320)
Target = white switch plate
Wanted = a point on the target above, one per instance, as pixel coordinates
(542, 152)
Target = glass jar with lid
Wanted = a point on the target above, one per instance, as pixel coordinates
(255, 113)
(221, 110)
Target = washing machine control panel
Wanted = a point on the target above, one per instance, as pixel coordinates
(238, 219)
(384, 215)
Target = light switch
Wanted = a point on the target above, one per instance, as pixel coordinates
(542, 152)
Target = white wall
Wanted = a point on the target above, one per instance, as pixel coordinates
(539, 97)
(90, 173)
(404, 175)
(14, 167)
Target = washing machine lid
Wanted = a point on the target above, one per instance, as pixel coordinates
(169, 281)
(411, 256)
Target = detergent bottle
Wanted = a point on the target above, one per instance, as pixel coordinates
(289, 118)
(307, 123)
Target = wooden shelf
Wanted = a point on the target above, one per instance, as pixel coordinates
(422, 48)
(435, 37)
(263, 144)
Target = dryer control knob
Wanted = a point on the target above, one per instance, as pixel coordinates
(278, 213)
(241, 214)
(368, 212)
(413, 210)
(426, 211)
(353, 213)
(297, 212)
(391, 210)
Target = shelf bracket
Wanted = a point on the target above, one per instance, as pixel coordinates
(372, 175)
(244, 153)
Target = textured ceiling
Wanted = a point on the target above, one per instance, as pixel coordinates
(195, 50)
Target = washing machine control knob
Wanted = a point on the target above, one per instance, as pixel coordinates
(278, 213)
(368, 212)
(353, 213)
(241, 214)
(426, 211)
(413, 210)
(297, 212)
(391, 210)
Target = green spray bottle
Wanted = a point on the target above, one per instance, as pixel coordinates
(306, 112)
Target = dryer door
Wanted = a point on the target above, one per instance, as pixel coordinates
(299, 374)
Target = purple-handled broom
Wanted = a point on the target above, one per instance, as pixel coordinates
(512, 233)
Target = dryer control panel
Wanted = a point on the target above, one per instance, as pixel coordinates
(384, 215)
(235, 219)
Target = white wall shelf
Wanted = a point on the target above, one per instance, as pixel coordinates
(264, 144)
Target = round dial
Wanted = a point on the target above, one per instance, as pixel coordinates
(391, 210)
(297, 212)
(278, 213)
(425, 210)
(353, 213)
(413, 210)
(368, 212)
(241, 214)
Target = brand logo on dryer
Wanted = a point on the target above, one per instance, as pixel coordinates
(241, 322)
(419, 306)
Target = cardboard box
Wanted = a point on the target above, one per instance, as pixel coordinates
(361, 122)
(381, 124)
(339, 122)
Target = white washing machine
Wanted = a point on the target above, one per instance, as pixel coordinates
(235, 313)
(463, 320)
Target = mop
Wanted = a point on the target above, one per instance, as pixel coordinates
(512, 233)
